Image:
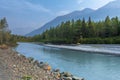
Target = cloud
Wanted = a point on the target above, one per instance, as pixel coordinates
(22, 5)
(36, 7)
(94, 4)
(21, 14)
(79, 1)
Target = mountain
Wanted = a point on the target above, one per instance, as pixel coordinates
(112, 9)
(74, 15)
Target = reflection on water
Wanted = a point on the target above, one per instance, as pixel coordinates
(86, 64)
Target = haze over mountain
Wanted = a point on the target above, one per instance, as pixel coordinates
(112, 9)
(24, 16)
(74, 15)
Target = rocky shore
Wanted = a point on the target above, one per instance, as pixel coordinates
(14, 66)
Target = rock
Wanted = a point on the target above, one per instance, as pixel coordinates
(46, 64)
(77, 78)
(22, 56)
(41, 62)
(3, 46)
(56, 75)
(43, 65)
(30, 59)
(67, 78)
(14, 66)
(56, 70)
(36, 62)
(18, 68)
(67, 74)
(19, 54)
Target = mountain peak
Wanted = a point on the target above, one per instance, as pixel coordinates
(113, 4)
(112, 9)
(81, 12)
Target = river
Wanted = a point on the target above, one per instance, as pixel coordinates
(83, 64)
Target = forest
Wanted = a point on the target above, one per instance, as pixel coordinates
(70, 32)
(83, 32)
(5, 34)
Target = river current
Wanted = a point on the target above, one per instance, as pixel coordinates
(88, 64)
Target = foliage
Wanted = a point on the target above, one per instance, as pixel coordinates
(4, 31)
(81, 31)
(26, 78)
(6, 37)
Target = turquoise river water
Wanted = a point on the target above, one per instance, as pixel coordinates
(83, 64)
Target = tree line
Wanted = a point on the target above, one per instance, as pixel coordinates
(5, 34)
(82, 31)
(70, 32)
(4, 31)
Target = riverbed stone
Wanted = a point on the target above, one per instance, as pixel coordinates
(20, 66)
(31, 59)
(67, 78)
(67, 74)
(77, 78)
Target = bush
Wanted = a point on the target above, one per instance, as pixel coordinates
(26, 78)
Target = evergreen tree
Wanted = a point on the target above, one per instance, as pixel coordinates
(84, 30)
(108, 28)
(91, 29)
(4, 31)
(107, 31)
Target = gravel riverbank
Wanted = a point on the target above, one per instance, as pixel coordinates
(14, 66)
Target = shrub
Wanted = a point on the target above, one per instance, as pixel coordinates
(26, 78)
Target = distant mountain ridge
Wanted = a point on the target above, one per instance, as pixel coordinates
(112, 9)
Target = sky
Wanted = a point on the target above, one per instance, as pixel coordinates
(24, 16)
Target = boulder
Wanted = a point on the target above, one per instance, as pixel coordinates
(56, 74)
(36, 62)
(67, 74)
(56, 70)
(31, 59)
(77, 78)
(41, 64)
(67, 78)
(45, 66)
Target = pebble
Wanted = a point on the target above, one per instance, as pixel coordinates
(19, 66)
